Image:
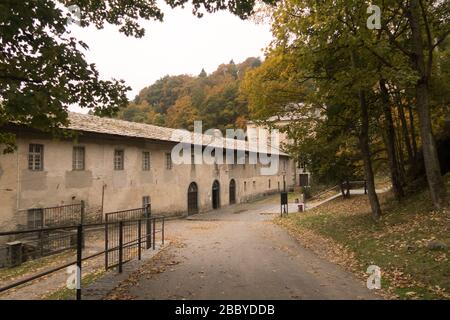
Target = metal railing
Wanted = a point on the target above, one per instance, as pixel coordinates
(344, 187)
(347, 185)
(136, 240)
(64, 215)
(318, 195)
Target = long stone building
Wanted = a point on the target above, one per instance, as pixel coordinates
(116, 165)
(301, 175)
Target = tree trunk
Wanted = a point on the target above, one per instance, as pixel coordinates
(413, 133)
(432, 167)
(342, 190)
(390, 142)
(365, 151)
(400, 155)
(405, 131)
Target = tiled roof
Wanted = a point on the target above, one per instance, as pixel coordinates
(90, 123)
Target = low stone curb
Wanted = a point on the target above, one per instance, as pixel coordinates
(111, 279)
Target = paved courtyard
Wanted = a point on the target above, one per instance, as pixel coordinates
(238, 253)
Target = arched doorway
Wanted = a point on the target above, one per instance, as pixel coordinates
(216, 195)
(192, 198)
(232, 191)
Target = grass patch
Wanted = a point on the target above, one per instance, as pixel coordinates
(70, 294)
(33, 266)
(398, 244)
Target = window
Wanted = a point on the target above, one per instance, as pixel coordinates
(254, 184)
(278, 185)
(301, 164)
(269, 183)
(245, 186)
(145, 160)
(168, 161)
(118, 159)
(303, 180)
(35, 218)
(36, 157)
(78, 158)
(145, 201)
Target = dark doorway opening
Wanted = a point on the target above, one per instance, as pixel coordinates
(232, 191)
(192, 198)
(304, 180)
(216, 195)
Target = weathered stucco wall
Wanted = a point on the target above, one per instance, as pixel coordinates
(58, 184)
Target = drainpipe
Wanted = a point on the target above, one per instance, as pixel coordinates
(103, 197)
(18, 180)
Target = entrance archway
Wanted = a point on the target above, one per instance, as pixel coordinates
(216, 195)
(232, 191)
(192, 198)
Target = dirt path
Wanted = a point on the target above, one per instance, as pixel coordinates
(238, 253)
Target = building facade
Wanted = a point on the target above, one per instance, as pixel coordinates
(116, 165)
(301, 177)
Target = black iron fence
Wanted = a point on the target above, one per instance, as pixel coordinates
(65, 215)
(130, 227)
(44, 243)
(129, 233)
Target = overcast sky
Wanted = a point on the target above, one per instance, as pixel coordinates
(182, 44)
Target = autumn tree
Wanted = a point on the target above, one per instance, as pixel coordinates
(326, 57)
(42, 67)
(426, 25)
(212, 98)
(182, 114)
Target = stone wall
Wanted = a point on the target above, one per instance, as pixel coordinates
(58, 184)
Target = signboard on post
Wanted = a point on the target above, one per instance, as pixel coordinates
(284, 198)
(284, 202)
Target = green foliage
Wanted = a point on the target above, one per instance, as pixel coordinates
(397, 243)
(176, 101)
(42, 66)
(320, 61)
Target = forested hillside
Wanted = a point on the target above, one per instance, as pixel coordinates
(176, 101)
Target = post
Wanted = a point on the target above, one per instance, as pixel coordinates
(139, 240)
(348, 188)
(82, 211)
(365, 186)
(106, 243)
(284, 202)
(154, 232)
(120, 246)
(162, 231)
(79, 259)
(103, 198)
(149, 227)
(82, 216)
(304, 197)
(41, 242)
